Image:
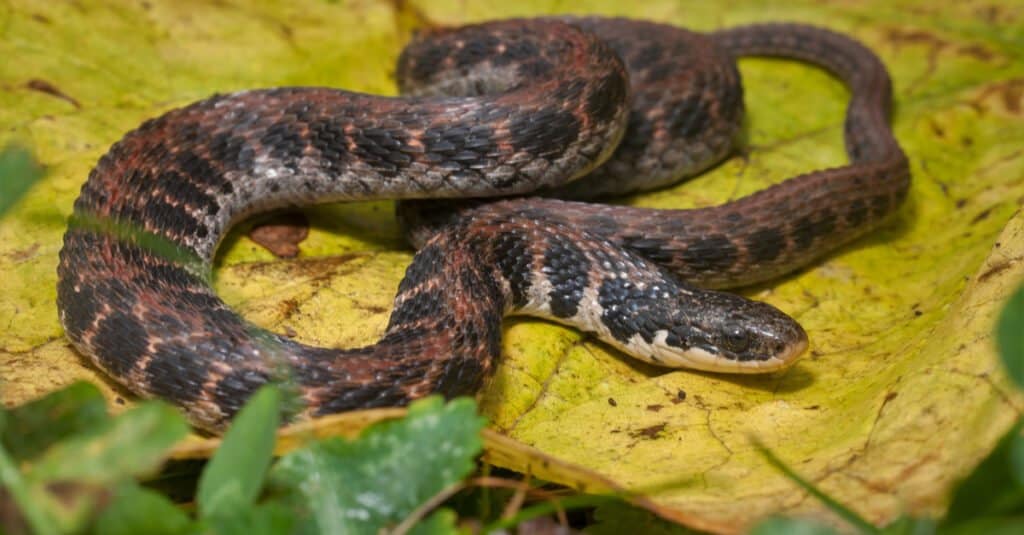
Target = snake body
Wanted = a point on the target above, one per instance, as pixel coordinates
(505, 108)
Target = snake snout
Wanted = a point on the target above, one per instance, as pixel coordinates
(756, 337)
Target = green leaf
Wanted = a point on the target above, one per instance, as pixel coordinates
(265, 519)
(33, 427)
(18, 172)
(133, 445)
(1010, 337)
(1015, 461)
(988, 526)
(378, 479)
(791, 526)
(19, 494)
(906, 525)
(617, 517)
(441, 522)
(138, 510)
(67, 483)
(234, 477)
(996, 486)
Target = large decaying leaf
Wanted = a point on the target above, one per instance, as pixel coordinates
(899, 395)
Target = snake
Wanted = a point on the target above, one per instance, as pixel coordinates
(503, 136)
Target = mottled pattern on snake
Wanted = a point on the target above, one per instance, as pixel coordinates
(531, 106)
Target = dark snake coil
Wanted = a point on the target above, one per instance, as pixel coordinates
(500, 109)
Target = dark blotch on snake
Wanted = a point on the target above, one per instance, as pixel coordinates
(856, 212)
(516, 51)
(549, 131)
(480, 48)
(172, 218)
(880, 205)
(825, 224)
(656, 249)
(466, 146)
(122, 340)
(711, 253)
(618, 299)
(511, 251)
(428, 264)
(79, 307)
(236, 151)
(461, 377)
(187, 192)
(381, 149)
(425, 303)
(689, 117)
(429, 58)
(199, 170)
(803, 232)
(236, 387)
(602, 103)
(176, 372)
(286, 143)
(328, 138)
(566, 267)
(362, 396)
(765, 244)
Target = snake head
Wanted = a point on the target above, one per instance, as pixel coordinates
(737, 335)
(729, 333)
(707, 330)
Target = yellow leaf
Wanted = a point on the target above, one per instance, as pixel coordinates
(900, 394)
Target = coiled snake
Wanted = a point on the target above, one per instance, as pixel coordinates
(499, 109)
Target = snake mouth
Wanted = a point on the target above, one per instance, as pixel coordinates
(789, 355)
(696, 358)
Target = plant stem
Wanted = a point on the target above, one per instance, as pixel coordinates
(37, 519)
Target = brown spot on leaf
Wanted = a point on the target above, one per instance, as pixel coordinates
(655, 408)
(649, 431)
(612, 402)
(977, 51)
(43, 86)
(282, 234)
(983, 215)
(915, 37)
(994, 270)
(21, 255)
(1005, 94)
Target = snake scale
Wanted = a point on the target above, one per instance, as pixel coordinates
(556, 108)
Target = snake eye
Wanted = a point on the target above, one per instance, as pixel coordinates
(736, 339)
